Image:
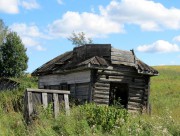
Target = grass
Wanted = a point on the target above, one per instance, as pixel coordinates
(165, 92)
(89, 119)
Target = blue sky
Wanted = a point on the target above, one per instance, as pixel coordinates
(150, 27)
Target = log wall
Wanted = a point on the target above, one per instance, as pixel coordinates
(137, 85)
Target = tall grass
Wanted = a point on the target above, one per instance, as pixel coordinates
(165, 92)
(90, 119)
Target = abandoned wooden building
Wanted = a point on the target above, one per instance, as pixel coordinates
(8, 84)
(100, 73)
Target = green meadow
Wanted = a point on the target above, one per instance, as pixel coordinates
(165, 92)
(90, 119)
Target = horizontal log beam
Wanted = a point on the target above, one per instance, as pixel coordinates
(116, 73)
(101, 101)
(101, 96)
(101, 88)
(97, 84)
(101, 92)
(137, 87)
(48, 91)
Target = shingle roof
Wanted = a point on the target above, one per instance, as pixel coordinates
(94, 55)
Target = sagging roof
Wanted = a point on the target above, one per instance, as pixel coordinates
(90, 55)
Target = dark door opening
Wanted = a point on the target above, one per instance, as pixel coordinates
(119, 94)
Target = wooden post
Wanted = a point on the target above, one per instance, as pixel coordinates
(56, 105)
(30, 103)
(44, 100)
(66, 100)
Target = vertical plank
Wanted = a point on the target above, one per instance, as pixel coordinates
(44, 100)
(66, 100)
(56, 105)
(90, 92)
(30, 104)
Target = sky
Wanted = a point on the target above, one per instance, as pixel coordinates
(150, 27)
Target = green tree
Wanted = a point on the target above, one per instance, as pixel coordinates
(79, 39)
(14, 59)
(3, 32)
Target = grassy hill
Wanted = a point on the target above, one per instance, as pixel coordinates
(91, 120)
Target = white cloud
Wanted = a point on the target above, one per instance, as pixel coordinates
(60, 2)
(149, 15)
(9, 6)
(177, 38)
(159, 46)
(30, 35)
(32, 43)
(12, 6)
(25, 30)
(29, 42)
(92, 24)
(30, 4)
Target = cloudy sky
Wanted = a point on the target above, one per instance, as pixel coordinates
(150, 27)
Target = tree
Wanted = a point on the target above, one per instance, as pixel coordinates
(14, 59)
(3, 32)
(79, 39)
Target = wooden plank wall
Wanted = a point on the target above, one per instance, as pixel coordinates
(70, 78)
(82, 91)
(35, 97)
(78, 91)
(137, 86)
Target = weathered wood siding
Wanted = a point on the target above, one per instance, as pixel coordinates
(121, 57)
(71, 78)
(78, 83)
(137, 84)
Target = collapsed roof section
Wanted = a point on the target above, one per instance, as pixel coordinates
(94, 56)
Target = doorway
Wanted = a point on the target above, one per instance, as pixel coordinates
(119, 94)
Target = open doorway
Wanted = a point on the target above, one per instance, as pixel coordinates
(119, 94)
